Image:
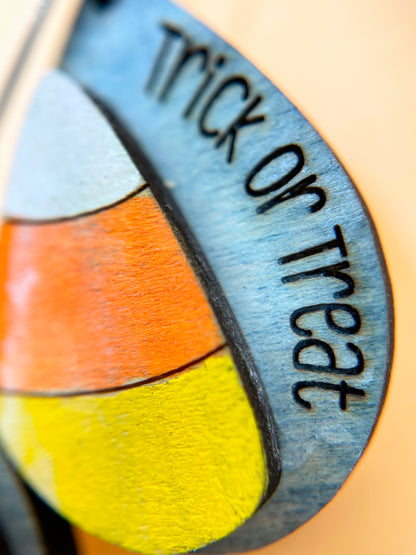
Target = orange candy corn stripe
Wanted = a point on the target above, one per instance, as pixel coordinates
(98, 302)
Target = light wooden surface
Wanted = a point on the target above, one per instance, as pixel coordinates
(362, 57)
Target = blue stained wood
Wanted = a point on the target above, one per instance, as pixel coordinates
(303, 273)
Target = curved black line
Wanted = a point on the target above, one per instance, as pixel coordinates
(133, 385)
(245, 363)
(63, 219)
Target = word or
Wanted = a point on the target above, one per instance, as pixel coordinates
(181, 57)
(211, 92)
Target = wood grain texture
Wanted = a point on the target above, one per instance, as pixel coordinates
(98, 302)
(120, 404)
(349, 67)
(268, 189)
(161, 468)
(297, 259)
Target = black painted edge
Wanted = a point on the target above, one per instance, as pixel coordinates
(53, 531)
(4, 547)
(248, 371)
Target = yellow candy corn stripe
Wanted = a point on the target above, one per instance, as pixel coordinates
(167, 467)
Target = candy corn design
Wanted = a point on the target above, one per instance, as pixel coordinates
(122, 401)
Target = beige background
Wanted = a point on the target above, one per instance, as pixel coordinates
(349, 65)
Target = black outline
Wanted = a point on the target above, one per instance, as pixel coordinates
(387, 291)
(223, 545)
(132, 385)
(243, 358)
(236, 342)
(63, 219)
